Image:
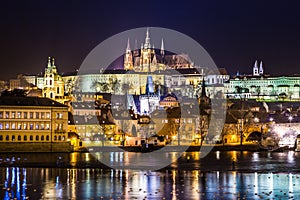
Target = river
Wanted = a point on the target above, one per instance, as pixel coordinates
(219, 175)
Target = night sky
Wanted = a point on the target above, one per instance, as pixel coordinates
(235, 33)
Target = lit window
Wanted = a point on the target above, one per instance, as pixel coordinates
(42, 115)
(31, 115)
(18, 115)
(13, 126)
(37, 126)
(37, 115)
(7, 126)
(19, 126)
(25, 126)
(1, 126)
(1, 114)
(25, 115)
(47, 126)
(6, 115)
(13, 114)
(31, 126)
(42, 126)
(48, 115)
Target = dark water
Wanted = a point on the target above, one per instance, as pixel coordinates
(262, 175)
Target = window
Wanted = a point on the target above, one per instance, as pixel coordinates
(7, 126)
(31, 126)
(31, 138)
(47, 137)
(42, 126)
(13, 114)
(25, 138)
(19, 126)
(59, 138)
(1, 126)
(19, 137)
(47, 126)
(37, 126)
(1, 137)
(6, 115)
(37, 115)
(19, 115)
(48, 115)
(57, 91)
(1, 114)
(55, 138)
(37, 138)
(42, 138)
(25, 126)
(31, 115)
(25, 115)
(7, 138)
(42, 115)
(51, 84)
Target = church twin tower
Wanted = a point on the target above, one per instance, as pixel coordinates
(258, 71)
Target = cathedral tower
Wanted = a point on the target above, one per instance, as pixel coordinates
(128, 61)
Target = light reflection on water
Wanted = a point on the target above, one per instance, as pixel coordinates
(253, 175)
(37, 183)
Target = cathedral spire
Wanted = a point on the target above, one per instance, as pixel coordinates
(147, 44)
(162, 47)
(128, 46)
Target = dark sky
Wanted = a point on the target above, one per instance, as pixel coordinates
(234, 33)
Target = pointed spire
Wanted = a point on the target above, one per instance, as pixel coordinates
(255, 69)
(255, 64)
(261, 69)
(147, 40)
(128, 46)
(162, 48)
(149, 85)
(53, 65)
(49, 62)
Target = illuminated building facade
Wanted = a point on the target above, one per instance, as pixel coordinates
(261, 86)
(35, 124)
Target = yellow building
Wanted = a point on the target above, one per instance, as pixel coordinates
(33, 124)
(54, 86)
